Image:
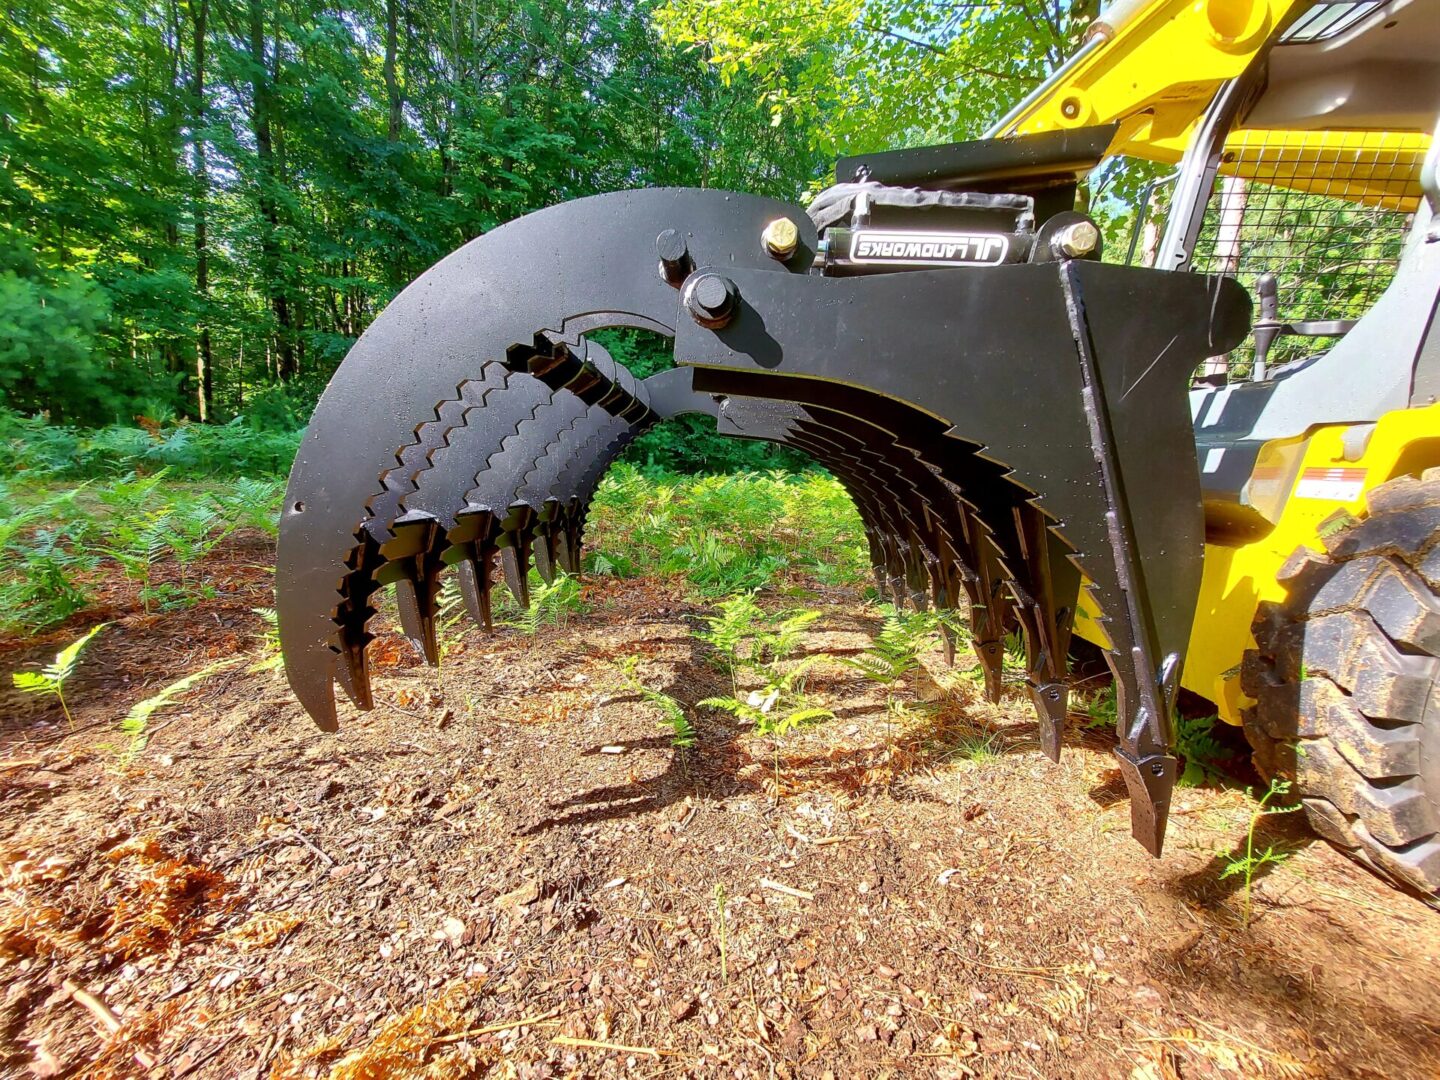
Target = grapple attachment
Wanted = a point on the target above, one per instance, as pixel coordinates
(1006, 416)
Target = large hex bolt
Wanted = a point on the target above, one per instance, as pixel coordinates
(711, 300)
(780, 238)
(1076, 240)
(674, 254)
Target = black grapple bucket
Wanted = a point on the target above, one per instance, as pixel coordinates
(1003, 430)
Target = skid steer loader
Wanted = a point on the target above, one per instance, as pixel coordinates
(1007, 405)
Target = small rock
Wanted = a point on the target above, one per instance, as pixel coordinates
(1147, 997)
(866, 1033)
(525, 895)
(612, 749)
(454, 931)
(684, 1008)
(794, 1034)
(885, 971)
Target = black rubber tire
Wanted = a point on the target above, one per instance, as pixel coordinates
(1346, 680)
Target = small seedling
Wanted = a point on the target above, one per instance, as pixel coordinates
(672, 712)
(51, 680)
(271, 657)
(450, 622)
(1250, 862)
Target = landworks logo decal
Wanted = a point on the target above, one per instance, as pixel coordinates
(931, 249)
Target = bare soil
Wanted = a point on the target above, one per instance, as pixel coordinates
(515, 874)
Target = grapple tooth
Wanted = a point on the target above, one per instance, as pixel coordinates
(1046, 606)
(474, 572)
(567, 539)
(353, 673)
(415, 601)
(1051, 707)
(542, 548)
(991, 654)
(1150, 781)
(947, 639)
(515, 565)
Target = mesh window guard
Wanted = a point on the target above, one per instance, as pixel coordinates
(1299, 216)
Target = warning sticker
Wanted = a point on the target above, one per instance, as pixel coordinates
(1333, 485)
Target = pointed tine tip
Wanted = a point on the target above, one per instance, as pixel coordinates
(417, 623)
(486, 570)
(544, 553)
(471, 588)
(1051, 702)
(353, 676)
(313, 685)
(1150, 782)
(512, 564)
(992, 661)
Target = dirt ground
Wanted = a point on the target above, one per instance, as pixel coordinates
(517, 875)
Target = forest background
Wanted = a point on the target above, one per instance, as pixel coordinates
(203, 203)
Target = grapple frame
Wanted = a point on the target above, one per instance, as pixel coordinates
(1003, 431)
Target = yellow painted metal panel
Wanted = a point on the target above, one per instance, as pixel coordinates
(1321, 484)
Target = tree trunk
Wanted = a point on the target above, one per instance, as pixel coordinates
(392, 85)
(204, 360)
(1227, 250)
(260, 109)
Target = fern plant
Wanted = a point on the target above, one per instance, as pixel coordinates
(251, 504)
(672, 712)
(744, 637)
(732, 631)
(270, 655)
(778, 706)
(895, 652)
(550, 605)
(50, 680)
(1101, 710)
(137, 544)
(137, 721)
(1202, 753)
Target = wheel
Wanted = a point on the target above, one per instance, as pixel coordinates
(1346, 682)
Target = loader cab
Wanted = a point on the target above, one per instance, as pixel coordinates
(1312, 179)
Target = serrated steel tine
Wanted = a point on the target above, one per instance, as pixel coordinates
(515, 566)
(567, 537)
(415, 602)
(542, 548)
(474, 575)
(353, 674)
